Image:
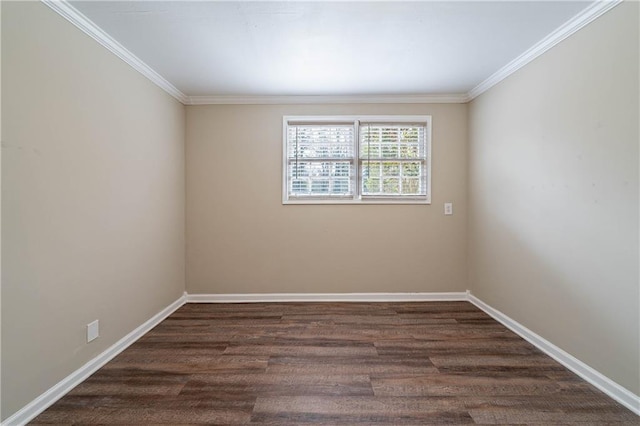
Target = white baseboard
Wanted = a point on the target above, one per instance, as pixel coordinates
(597, 379)
(324, 297)
(44, 401)
(606, 385)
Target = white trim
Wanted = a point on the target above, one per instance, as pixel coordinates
(351, 201)
(454, 98)
(582, 19)
(44, 401)
(325, 297)
(71, 14)
(597, 379)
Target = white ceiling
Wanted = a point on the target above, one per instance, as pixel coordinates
(208, 48)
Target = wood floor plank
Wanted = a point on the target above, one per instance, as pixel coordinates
(135, 416)
(369, 319)
(366, 409)
(283, 351)
(193, 365)
(517, 361)
(280, 379)
(333, 364)
(122, 382)
(565, 401)
(279, 384)
(349, 365)
(428, 348)
(528, 416)
(455, 385)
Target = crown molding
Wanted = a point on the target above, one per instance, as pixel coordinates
(582, 19)
(71, 14)
(64, 9)
(457, 98)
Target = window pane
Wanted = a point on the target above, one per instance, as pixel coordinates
(320, 186)
(320, 141)
(371, 185)
(392, 141)
(410, 151)
(393, 159)
(391, 169)
(371, 150)
(410, 186)
(371, 169)
(299, 186)
(389, 151)
(298, 170)
(391, 186)
(341, 169)
(340, 186)
(411, 169)
(320, 178)
(320, 159)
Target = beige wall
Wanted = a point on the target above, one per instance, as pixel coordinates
(553, 196)
(93, 199)
(241, 239)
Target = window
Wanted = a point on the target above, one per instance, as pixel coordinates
(365, 159)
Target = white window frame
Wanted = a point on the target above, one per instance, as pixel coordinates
(357, 196)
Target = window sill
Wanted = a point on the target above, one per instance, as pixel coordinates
(356, 202)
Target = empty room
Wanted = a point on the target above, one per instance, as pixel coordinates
(321, 212)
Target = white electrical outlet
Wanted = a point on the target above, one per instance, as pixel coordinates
(93, 330)
(448, 209)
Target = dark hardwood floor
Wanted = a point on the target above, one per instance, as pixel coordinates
(334, 363)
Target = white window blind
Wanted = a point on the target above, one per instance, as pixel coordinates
(320, 160)
(393, 160)
(356, 159)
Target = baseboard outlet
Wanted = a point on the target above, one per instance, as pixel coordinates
(325, 297)
(597, 379)
(44, 401)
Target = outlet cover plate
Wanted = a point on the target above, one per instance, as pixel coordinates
(93, 330)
